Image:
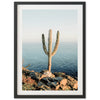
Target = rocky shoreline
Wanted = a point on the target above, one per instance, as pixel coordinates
(46, 80)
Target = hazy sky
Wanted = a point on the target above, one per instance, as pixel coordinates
(36, 22)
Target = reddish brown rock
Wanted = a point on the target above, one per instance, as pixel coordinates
(63, 82)
(70, 78)
(30, 81)
(66, 87)
(23, 78)
(75, 85)
(57, 87)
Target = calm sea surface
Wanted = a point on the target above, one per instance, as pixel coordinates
(65, 59)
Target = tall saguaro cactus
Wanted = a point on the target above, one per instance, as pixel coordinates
(49, 53)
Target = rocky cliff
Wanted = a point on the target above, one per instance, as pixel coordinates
(46, 80)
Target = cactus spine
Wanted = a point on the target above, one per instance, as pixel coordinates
(49, 53)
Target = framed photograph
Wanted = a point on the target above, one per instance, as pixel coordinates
(49, 50)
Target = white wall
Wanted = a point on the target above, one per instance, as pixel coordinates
(7, 53)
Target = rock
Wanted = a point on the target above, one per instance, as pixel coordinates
(40, 84)
(27, 80)
(58, 79)
(60, 88)
(30, 81)
(51, 85)
(45, 80)
(55, 83)
(70, 78)
(63, 82)
(66, 87)
(43, 76)
(69, 83)
(23, 78)
(26, 87)
(59, 74)
(51, 79)
(75, 86)
(46, 73)
(25, 71)
(43, 87)
(57, 87)
(35, 75)
(46, 87)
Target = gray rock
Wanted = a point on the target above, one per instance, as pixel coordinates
(40, 84)
(45, 80)
(34, 76)
(55, 83)
(51, 85)
(58, 79)
(51, 79)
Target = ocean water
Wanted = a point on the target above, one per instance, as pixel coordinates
(65, 59)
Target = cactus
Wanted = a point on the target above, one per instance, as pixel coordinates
(49, 53)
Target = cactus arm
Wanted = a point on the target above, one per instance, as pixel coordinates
(56, 45)
(49, 49)
(50, 42)
(44, 46)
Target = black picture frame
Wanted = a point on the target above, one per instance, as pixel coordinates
(15, 50)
